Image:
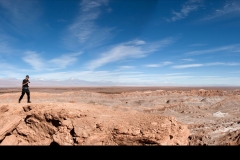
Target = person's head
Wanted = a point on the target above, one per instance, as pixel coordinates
(27, 77)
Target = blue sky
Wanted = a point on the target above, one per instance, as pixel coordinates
(139, 42)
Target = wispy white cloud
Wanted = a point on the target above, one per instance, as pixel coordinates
(85, 30)
(87, 5)
(174, 74)
(136, 42)
(132, 49)
(187, 66)
(206, 64)
(33, 59)
(125, 68)
(222, 64)
(64, 60)
(188, 59)
(117, 53)
(230, 48)
(187, 8)
(231, 8)
(38, 63)
(84, 26)
(159, 64)
(152, 65)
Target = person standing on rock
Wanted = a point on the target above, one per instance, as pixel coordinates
(25, 89)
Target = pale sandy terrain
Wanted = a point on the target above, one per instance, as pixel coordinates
(121, 116)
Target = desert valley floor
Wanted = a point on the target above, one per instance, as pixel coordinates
(121, 116)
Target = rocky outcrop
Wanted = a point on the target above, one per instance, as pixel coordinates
(203, 92)
(8, 124)
(166, 131)
(59, 125)
(232, 138)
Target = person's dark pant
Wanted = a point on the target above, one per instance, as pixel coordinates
(23, 93)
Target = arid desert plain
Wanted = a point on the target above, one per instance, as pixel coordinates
(121, 116)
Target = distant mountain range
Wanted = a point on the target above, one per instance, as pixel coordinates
(40, 82)
(75, 82)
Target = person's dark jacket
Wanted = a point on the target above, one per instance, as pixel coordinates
(24, 81)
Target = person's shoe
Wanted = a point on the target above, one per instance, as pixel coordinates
(19, 101)
(29, 102)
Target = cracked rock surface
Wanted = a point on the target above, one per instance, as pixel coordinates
(75, 124)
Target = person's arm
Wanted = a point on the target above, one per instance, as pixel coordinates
(25, 83)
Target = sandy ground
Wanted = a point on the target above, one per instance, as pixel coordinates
(211, 114)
